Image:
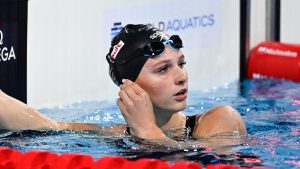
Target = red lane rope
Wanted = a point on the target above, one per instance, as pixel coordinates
(36, 159)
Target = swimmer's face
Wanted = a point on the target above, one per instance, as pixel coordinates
(165, 79)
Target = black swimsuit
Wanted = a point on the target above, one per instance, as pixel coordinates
(189, 126)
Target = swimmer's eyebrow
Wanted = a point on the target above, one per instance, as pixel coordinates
(162, 62)
(181, 58)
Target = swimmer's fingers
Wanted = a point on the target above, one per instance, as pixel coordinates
(121, 105)
(135, 93)
(129, 91)
(125, 98)
(138, 90)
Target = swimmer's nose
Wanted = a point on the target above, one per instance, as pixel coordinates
(180, 76)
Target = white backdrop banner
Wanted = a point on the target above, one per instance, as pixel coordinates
(68, 41)
(197, 22)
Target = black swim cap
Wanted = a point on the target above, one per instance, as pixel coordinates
(126, 54)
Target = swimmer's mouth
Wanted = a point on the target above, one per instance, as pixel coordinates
(181, 92)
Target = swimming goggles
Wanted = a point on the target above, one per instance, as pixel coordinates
(157, 48)
(151, 50)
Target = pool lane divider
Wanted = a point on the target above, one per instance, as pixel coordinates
(36, 159)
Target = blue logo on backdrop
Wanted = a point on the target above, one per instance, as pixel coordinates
(177, 24)
(116, 29)
(180, 24)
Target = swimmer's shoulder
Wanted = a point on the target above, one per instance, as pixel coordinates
(181, 114)
(180, 118)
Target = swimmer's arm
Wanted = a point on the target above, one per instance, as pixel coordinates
(15, 115)
(152, 137)
(111, 130)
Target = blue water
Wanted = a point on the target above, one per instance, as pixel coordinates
(270, 108)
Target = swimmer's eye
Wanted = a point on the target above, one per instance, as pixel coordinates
(163, 69)
(182, 64)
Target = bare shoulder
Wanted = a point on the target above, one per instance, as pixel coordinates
(222, 109)
(181, 115)
(181, 118)
(219, 119)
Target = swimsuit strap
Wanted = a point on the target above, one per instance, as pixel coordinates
(190, 124)
(127, 131)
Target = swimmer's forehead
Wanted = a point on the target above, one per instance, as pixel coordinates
(166, 60)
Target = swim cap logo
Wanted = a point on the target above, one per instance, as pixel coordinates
(116, 49)
(159, 34)
(147, 28)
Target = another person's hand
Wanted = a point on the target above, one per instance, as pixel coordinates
(137, 109)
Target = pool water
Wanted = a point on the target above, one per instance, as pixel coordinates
(270, 108)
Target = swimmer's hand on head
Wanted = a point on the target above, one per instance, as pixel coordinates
(137, 110)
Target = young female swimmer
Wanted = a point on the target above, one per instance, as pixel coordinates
(148, 66)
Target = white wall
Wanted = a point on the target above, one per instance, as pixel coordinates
(257, 22)
(68, 41)
(290, 25)
(289, 18)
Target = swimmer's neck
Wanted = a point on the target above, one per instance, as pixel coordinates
(167, 119)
